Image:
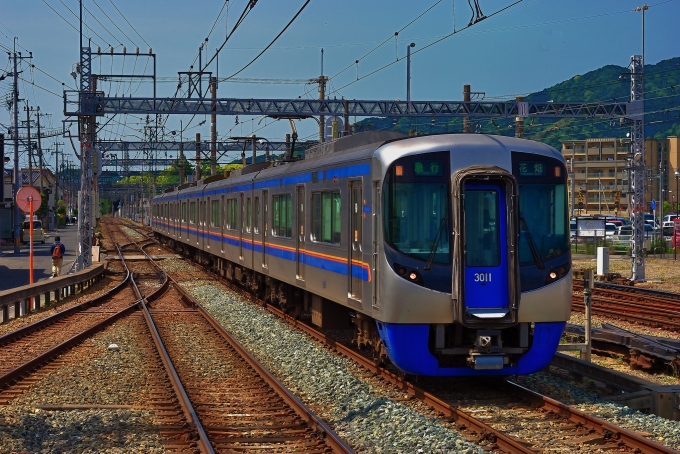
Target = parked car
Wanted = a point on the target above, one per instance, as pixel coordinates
(610, 229)
(628, 230)
(38, 232)
(669, 218)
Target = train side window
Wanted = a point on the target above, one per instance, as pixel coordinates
(256, 215)
(326, 217)
(232, 214)
(215, 212)
(192, 212)
(249, 215)
(282, 216)
(184, 212)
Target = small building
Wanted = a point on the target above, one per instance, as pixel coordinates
(598, 174)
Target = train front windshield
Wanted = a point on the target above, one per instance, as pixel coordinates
(543, 210)
(417, 207)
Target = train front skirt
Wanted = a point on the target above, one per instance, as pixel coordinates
(406, 347)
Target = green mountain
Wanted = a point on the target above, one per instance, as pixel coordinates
(609, 83)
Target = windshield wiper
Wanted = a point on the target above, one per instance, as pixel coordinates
(532, 244)
(428, 265)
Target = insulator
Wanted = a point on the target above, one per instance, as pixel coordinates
(137, 49)
(124, 49)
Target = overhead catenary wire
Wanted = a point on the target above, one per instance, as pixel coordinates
(425, 47)
(76, 16)
(128, 22)
(115, 38)
(274, 40)
(114, 24)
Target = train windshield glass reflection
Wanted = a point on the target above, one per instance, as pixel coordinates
(544, 210)
(417, 208)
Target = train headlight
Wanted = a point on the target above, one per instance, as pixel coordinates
(410, 275)
(556, 273)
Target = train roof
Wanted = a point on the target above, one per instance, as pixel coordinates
(357, 147)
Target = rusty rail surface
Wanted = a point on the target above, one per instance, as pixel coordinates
(330, 438)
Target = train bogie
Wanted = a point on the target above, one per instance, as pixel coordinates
(448, 254)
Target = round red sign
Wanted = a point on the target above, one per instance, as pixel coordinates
(24, 195)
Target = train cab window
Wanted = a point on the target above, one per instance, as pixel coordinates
(282, 224)
(417, 218)
(232, 213)
(192, 212)
(326, 217)
(215, 213)
(256, 215)
(543, 208)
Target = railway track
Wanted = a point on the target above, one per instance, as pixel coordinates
(525, 412)
(260, 417)
(646, 307)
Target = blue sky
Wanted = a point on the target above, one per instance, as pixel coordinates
(529, 46)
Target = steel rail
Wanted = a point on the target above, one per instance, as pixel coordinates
(47, 356)
(28, 329)
(335, 442)
(463, 420)
(503, 441)
(605, 429)
(182, 396)
(650, 320)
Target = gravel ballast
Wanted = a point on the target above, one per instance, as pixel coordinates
(367, 420)
(360, 415)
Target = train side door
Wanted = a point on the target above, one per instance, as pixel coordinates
(222, 220)
(300, 246)
(243, 227)
(265, 227)
(355, 267)
(486, 292)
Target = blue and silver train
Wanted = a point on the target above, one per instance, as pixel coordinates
(448, 254)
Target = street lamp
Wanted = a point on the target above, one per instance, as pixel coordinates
(408, 76)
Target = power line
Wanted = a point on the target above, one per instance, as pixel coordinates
(249, 7)
(115, 38)
(65, 20)
(426, 47)
(274, 40)
(133, 28)
(76, 16)
(114, 24)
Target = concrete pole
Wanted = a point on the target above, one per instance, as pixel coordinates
(322, 95)
(17, 171)
(198, 156)
(254, 149)
(466, 98)
(180, 161)
(519, 121)
(213, 128)
(30, 150)
(408, 77)
(40, 156)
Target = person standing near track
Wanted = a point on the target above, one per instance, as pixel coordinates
(57, 250)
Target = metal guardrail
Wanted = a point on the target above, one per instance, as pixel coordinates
(20, 301)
